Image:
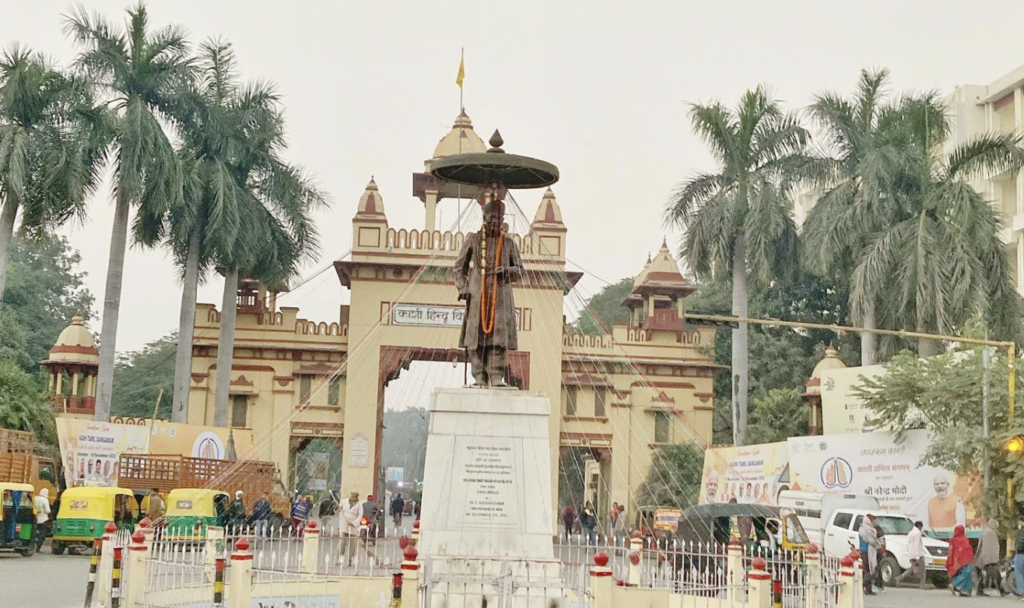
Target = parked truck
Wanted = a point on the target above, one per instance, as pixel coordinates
(22, 460)
(165, 472)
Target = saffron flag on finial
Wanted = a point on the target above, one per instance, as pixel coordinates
(462, 72)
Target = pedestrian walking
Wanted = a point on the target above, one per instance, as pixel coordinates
(915, 550)
(868, 552)
(300, 513)
(370, 513)
(987, 559)
(1018, 558)
(42, 501)
(261, 515)
(959, 564)
(157, 508)
(569, 520)
(351, 511)
(589, 521)
(397, 508)
(236, 512)
(621, 530)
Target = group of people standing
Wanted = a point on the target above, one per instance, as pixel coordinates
(963, 562)
(586, 522)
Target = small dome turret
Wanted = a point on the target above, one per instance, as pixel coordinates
(371, 203)
(75, 344)
(548, 212)
(830, 361)
(462, 139)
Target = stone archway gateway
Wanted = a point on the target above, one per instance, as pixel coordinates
(646, 383)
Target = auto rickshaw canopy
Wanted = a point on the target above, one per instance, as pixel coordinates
(183, 502)
(94, 502)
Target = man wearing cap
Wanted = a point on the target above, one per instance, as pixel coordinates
(350, 512)
(236, 512)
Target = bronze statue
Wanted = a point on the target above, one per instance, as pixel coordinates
(489, 261)
(484, 272)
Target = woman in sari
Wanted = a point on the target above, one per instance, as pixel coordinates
(959, 564)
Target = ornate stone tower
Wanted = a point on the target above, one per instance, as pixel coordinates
(73, 363)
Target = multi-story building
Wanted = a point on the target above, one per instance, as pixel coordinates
(616, 397)
(997, 107)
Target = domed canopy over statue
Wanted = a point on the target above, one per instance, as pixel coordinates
(489, 261)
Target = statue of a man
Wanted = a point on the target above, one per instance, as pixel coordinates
(486, 268)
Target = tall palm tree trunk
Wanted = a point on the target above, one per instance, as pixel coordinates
(111, 309)
(226, 347)
(740, 364)
(7, 217)
(186, 328)
(869, 341)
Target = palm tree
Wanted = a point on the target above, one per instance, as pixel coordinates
(51, 145)
(209, 218)
(939, 256)
(275, 230)
(737, 220)
(869, 148)
(143, 72)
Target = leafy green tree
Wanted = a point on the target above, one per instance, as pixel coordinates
(44, 290)
(604, 309)
(737, 220)
(141, 376)
(142, 73)
(50, 146)
(276, 230)
(22, 406)
(674, 477)
(944, 394)
(778, 415)
(781, 358)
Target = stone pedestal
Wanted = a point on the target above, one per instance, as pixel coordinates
(486, 529)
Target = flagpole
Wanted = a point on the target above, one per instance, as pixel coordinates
(462, 108)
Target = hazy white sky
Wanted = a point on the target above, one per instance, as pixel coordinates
(598, 88)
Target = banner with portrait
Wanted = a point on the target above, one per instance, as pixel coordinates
(873, 464)
(748, 474)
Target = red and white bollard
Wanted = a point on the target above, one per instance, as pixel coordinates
(138, 570)
(410, 573)
(239, 591)
(848, 584)
(106, 562)
(415, 540)
(601, 581)
(636, 545)
(311, 548)
(760, 593)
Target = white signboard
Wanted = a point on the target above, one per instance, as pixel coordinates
(841, 411)
(487, 495)
(872, 464)
(425, 314)
(433, 316)
(358, 452)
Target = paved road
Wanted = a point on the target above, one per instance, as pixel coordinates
(933, 598)
(43, 580)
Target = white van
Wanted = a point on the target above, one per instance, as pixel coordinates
(814, 509)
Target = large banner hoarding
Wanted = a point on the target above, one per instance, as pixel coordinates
(748, 473)
(91, 451)
(873, 464)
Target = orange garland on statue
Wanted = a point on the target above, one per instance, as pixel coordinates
(485, 324)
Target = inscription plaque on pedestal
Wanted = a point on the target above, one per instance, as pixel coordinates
(489, 480)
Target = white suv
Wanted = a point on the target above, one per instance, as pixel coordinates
(841, 534)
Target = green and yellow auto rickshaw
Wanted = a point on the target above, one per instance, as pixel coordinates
(17, 518)
(191, 510)
(85, 511)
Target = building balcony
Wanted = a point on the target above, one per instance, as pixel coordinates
(664, 319)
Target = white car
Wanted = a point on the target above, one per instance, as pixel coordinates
(841, 533)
